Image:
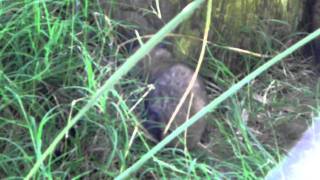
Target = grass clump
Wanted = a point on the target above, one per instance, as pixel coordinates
(55, 56)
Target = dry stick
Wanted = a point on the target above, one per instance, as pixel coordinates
(195, 74)
(234, 49)
(135, 131)
(158, 9)
(188, 117)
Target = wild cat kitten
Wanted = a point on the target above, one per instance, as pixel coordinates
(170, 79)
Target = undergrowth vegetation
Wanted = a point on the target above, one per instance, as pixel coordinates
(54, 55)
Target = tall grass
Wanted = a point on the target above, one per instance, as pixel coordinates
(66, 105)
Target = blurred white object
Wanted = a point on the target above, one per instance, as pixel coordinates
(303, 160)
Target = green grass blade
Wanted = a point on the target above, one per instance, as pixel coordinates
(131, 61)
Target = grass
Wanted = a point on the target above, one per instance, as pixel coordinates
(58, 57)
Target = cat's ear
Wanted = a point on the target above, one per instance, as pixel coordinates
(161, 54)
(157, 55)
